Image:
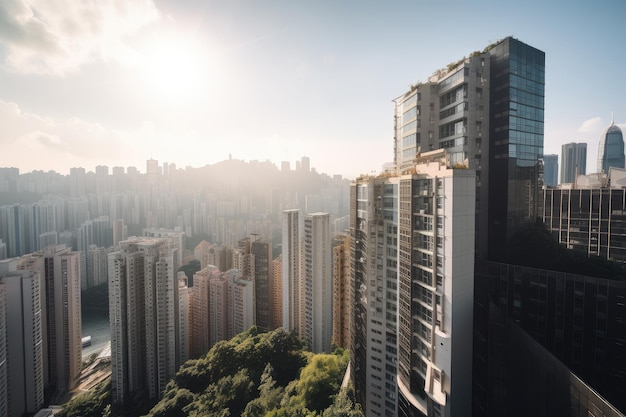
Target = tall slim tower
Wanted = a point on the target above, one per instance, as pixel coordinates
(200, 319)
(291, 269)
(435, 290)
(374, 293)
(573, 161)
(316, 307)
(611, 149)
(342, 300)
(23, 368)
(277, 292)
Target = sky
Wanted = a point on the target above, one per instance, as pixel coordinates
(194, 82)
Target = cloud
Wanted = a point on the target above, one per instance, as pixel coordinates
(58, 36)
(34, 142)
(591, 125)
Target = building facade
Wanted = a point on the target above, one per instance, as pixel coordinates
(316, 307)
(59, 271)
(291, 269)
(551, 170)
(22, 391)
(591, 220)
(374, 293)
(342, 301)
(573, 161)
(436, 227)
(144, 317)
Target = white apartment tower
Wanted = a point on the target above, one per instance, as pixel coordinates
(374, 291)
(317, 283)
(291, 269)
(21, 352)
(436, 231)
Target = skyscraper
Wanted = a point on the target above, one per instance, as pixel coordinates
(454, 208)
(59, 271)
(200, 321)
(23, 368)
(573, 161)
(611, 149)
(373, 267)
(316, 307)
(143, 309)
(487, 112)
(291, 269)
(435, 290)
(551, 170)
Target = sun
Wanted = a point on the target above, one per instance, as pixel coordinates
(176, 67)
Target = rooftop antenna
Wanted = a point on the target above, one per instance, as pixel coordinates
(612, 118)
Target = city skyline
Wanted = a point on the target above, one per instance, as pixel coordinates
(94, 84)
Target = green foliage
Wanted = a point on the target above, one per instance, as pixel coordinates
(320, 381)
(89, 404)
(343, 406)
(258, 375)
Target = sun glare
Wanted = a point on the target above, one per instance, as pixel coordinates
(176, 68)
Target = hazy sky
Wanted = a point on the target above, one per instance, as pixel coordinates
(115, 82)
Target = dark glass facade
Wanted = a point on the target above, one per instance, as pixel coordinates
(516, 116)
(579, 320)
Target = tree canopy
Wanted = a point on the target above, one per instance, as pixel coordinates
(259, 374)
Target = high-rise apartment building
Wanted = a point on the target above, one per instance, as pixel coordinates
(316, 307)
(200, 327)
(374, 293)
(436, 227)
(23, 389)
(611, 149)
(59, 271)
(413, 266)
(257, 265)
(144, 309)
(218, 309)
(551, 170)
(277, 293)
(342, 296)
(184, 313)
(573, 162)
(291, 269)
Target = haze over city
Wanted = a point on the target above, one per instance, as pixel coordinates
(115, 82)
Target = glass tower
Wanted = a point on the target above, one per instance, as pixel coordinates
(611, 150)
(515, 140)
